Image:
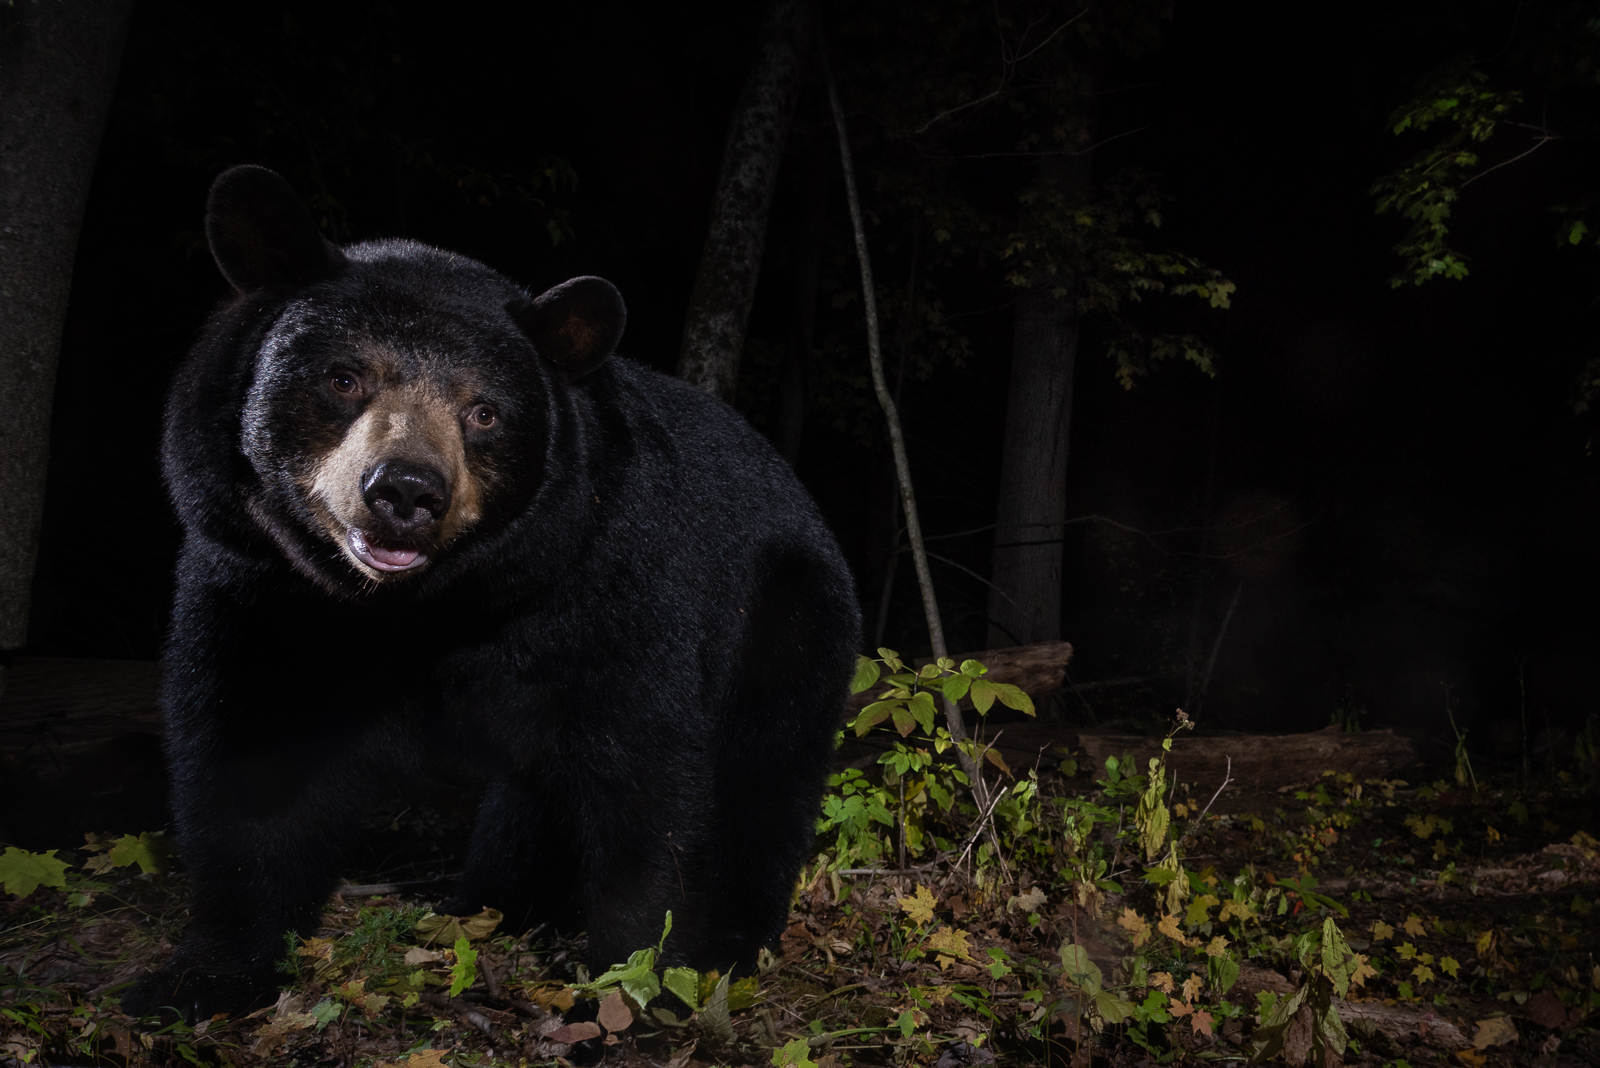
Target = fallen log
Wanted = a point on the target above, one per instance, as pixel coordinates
(1400, 1023)
(1279, 760)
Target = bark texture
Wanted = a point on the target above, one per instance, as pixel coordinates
(1026, 565)
(58, 68)
(791, 420)
(725, 286)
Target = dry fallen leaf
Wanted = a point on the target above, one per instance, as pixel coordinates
(614, 1014)
(574, 1032)
(1496, 1031)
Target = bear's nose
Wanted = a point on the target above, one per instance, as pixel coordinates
(405, 495)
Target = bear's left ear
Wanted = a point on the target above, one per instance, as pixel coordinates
(575, 325)
(263, 236)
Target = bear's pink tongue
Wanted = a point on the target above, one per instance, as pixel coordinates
(392, 557)
(379, 556)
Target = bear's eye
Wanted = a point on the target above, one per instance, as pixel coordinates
(483, 417)
(344, 382)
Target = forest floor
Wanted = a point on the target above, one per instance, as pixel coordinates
(1380, 922)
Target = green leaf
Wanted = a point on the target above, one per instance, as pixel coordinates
(1112, 1009)
(685, 983)
(983, 694)
(873, 715)
(973, 668)
(146, 851)
(794, 1055)
(1224, 971)
(956, 686)
(1079, 969)
(867, 672)
(464, 972)
(1336, 957)
(21, 873)
(904, 721)
(325, 1012)
(923, 711)
(1013, 697)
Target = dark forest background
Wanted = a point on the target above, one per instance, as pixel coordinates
(1383, 495)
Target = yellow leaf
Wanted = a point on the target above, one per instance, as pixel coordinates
(919, 906)
(320, 948)
(1485, 940)
(1191, 987)
(1497, 1031)
(951, 945)
(1162, 981)
(1362, 971)
(1414, 927)
(1135, 925)
(1381, 931)
(1217, 947)
(1450, 966)
(1407, 951)
(1493, 835)
(1241, 909)
(448, 929)
(1169, 927)
(1471, 1058)
(1423, 973)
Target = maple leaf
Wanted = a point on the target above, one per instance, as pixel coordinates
(451, 929)
(1191, 987)
(1381, 931)
(1199, 909)
(919, 906)
(1202, 1023)
(1169, 927)
(950, 945)
(1407, 951)
(1178, 1008)
(1450, 966)
(1162, 981)
(1235, 908)
(1414, 927)
(1423, 973)
(320, 948)
(1135, 925)
(1362, 971)
(21, 873)
(1217, 946)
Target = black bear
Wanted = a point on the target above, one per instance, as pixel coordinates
(431, 520)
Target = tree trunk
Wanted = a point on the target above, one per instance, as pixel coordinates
(802, 326)
(719, 306)
(58, 68)
(1025, 606)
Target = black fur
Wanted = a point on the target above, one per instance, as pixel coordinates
(643, 644)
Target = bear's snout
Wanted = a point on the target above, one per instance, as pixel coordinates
(405, 496)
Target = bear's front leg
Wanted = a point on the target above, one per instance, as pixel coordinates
(261, 831)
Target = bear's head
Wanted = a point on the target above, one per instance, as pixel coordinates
(398, 397)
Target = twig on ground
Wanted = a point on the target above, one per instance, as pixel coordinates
(461, 1009)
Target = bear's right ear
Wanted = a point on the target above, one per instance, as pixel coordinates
(575, 325)
(262, 235)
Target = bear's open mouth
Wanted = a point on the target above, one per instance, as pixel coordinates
(384, 557)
